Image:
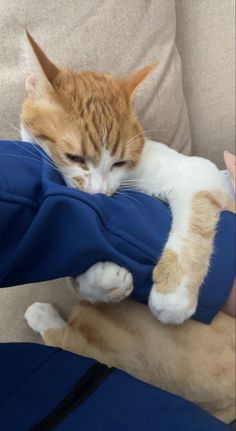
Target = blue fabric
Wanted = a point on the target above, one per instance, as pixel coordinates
(48, 230)
(34, 379)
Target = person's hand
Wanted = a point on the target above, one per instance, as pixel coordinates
(230, 163)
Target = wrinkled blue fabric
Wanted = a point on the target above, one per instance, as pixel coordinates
(35, 378)
(48, 230)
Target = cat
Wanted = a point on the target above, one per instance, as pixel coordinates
(192, 360)
(86, 123)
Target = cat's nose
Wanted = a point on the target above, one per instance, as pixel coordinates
(97, 188)
(97, 185)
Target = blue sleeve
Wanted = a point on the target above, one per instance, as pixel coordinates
(48, 230)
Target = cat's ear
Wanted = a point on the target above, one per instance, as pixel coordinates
(41, 72)
(132, 82)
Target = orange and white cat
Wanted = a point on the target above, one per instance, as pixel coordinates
(86, 123)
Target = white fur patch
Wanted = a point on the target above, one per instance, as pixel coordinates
(104, 282)
(42, 316)
(26, 136)
(99, 178)
(171, 308)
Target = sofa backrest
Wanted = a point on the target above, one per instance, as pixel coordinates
(110, 36)
(120, 37)
(206, 42)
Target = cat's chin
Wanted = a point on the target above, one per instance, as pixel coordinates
(70, 183)
(101, 193)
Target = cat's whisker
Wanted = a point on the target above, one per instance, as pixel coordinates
(33, 137)
(133, 148)
(37, 141)
(146, 132)
(35, 156)
(136, 186)
(133, 138)
(51, 165)
(21, 157)
(141, 133)
(29, 151)
(136, 180)
(46, 160)
(128, 197)
(131, 142)
(133, 189)
(35, 159)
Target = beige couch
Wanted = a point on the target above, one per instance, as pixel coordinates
(119, 37)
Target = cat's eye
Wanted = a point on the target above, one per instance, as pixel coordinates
(119, 164)
(76, 159)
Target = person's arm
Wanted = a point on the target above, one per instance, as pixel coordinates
(48, 230)
(230, 161)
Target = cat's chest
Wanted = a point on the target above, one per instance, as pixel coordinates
(152, 179)
(153, 183)
(157, 172)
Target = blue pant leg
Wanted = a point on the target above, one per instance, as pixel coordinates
(37, 384)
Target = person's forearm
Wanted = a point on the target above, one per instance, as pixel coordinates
(48, 230)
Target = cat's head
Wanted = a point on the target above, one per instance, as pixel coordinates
(85, 121)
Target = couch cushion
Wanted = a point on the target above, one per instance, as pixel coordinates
(116, 37)
(206, 40)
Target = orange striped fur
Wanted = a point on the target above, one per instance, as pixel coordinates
(80, 113)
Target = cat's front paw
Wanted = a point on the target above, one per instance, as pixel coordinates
(172, 308)
(42, 316)
(104, 282)
(171, 299)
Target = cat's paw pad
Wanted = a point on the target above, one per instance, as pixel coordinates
(104, 282)
(172, 308)
(42, 316)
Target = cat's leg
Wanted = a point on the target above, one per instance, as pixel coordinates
(186, 257)
(42, 317)
(104, 282)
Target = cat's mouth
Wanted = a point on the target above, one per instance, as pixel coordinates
(91, 183)
(80, 183)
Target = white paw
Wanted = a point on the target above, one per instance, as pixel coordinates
(41, 316)
(172, 308)
(104, 282)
